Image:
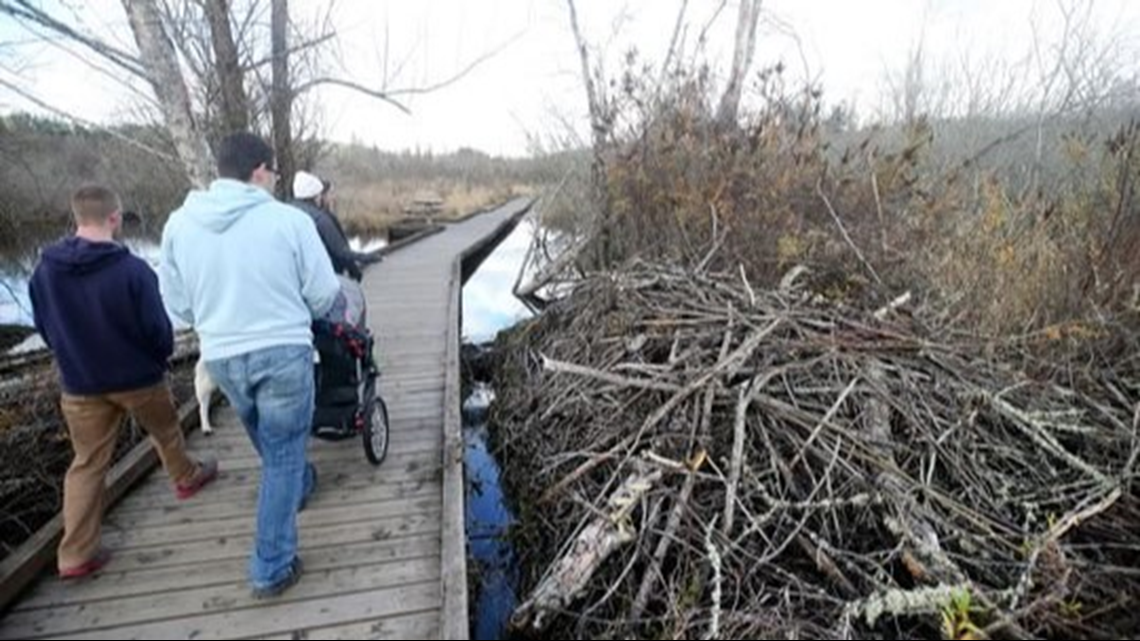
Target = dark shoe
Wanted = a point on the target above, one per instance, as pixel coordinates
(312, 490)
(102, 556)
(207, 471)
(274, 589)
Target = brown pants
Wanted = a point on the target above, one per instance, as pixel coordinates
(94, 422)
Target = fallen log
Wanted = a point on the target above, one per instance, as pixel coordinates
(594, 544)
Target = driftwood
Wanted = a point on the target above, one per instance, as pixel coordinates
(593, 545)
(826, 471)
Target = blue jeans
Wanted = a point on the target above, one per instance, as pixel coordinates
(272, 390)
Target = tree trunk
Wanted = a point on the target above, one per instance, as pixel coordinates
(599, 128)
(741, 61)
(235, 116)
(165, 78)
(282, 99)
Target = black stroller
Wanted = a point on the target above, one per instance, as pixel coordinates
(347, 400)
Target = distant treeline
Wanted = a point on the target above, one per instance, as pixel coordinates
(42, 160)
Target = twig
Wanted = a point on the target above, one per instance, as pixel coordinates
(747, 286)
(663, 545)
(824, 421)
(1042, 437)
(1130, 466)
(846, 236)
(733, 360)
(747, 393)
(879, 209)
(580, 370)
(1054, 535)
(717, 579)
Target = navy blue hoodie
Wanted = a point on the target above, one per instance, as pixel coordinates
(98, 308)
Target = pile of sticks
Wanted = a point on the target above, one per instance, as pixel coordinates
(695, 458)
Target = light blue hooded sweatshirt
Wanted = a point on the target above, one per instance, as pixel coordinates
(245, 271)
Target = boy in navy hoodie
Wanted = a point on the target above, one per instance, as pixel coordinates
(98, 309)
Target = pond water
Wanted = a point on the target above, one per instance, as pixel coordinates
(488, 307)
(16, 268)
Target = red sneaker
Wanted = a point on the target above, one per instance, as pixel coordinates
(83, 569)
(207, 471)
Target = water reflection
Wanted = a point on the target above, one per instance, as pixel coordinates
(488, 307)
(16, 267)
(488, 302)
(488, 518)
(15, 308)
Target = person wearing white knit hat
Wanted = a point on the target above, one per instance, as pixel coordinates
(311, 195)
(306, 186)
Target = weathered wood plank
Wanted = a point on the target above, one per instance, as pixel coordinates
(174, 601)
(232, 437)
(420, 625)
(335, 477)
(218, 571)
(207, 527)
(349, 452)
(454, 622)
(242, 505)
(277, 617)
(243, 497)
(404, 441)
(184, 553)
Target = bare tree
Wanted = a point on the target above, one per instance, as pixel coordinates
(31, 14)
(169, 87)
(600, 126)
(674, 45)
(231, 78)
(281, 98)
(746, 22)
(914, 87)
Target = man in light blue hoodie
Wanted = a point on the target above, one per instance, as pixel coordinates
(249, 274)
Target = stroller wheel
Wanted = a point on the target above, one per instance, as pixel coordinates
(375, 431)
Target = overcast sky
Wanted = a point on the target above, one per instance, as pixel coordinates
(532, 87)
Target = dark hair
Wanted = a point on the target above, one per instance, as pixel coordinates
(239, 154)
(326, 185)
(94, 203)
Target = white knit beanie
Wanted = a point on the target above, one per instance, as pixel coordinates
(306, 186)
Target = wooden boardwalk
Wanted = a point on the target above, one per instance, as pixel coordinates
(383, 546)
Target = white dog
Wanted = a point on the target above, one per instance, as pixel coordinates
(204, 388)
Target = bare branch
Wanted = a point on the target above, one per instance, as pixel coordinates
(308, 44)
(846, 236)
(389, 95)
(741, 60)
(597, 121)
(460, 75)
(28, 14)
(671, 52)
(355, 86)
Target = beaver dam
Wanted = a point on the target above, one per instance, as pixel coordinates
(694, 458)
